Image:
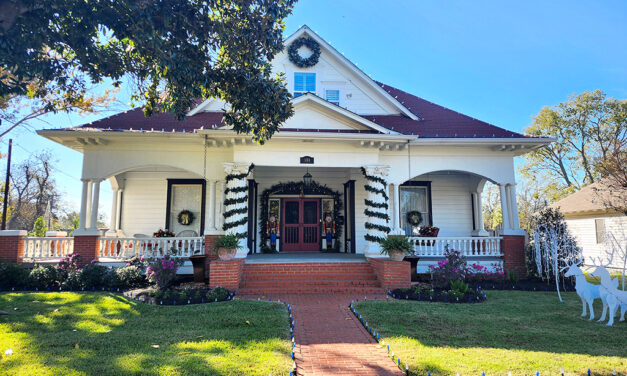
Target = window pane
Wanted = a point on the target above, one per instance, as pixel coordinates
(304, 82)
(414, 199)
(310, 81)
(185, 197)
(291, 212)
(333, 96)
(310, 212)
(299, 82)
(599, 225)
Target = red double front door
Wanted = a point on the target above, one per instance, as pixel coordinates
(301, 225)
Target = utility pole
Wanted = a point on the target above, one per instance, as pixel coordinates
(6, 188)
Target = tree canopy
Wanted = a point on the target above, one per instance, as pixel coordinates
(174, 51)
(590, 129)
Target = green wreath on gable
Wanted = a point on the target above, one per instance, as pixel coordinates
(185, 218)
(295, 57)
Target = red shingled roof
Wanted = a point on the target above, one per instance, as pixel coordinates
(435, 121)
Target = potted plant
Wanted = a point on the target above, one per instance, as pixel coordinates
(397, 247)
(226, 246)
(428, 232)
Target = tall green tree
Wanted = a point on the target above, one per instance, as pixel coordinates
(587, 128)
(174, 51)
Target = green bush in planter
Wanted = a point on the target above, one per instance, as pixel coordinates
(44, 277)
(230, 241)
(397, 243)
(12, 275)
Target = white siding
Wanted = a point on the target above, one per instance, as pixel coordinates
(584, 231)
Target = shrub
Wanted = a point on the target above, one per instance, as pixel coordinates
(44, 277)
(459, 286)
(396, 243)
(219, 293)
(39, 228)
(162, 272)
(71, 280)
(12, 275)
(452, 268)
(230, 241)
(129, 277)
(95, 275)
(477, 272)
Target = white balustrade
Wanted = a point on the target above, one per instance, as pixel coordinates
(125, 248)
(47, 247)
(480, 246)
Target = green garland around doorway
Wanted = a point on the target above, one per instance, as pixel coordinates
(296, 188)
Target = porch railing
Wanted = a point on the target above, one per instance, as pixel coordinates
(47, 247)
(468, 246)
(124, 248)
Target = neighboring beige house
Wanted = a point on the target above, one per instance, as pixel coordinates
(597, 229)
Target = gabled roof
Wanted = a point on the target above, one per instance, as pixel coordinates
(436, 121)
(591, 199)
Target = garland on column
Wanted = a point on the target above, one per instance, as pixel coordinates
(234, 201)
(373, 208)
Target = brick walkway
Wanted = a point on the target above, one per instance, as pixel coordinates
(330, 340)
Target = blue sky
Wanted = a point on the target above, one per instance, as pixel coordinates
(497, 61)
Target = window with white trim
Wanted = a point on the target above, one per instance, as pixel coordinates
(599, 227)
(332, 96)
(304, 83)
(415, 196)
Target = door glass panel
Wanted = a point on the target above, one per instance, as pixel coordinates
(291, 213)
(310, 212)
(185, 197)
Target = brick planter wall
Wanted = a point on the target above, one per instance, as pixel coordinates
(392, 274)
(12, 245)
(513, 247)
(88, 247)
(226, 274)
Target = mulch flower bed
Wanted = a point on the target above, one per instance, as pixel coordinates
(523, 285)
(181, 295)
(438, 295)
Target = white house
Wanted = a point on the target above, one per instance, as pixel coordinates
(374, 153)
(600, 232)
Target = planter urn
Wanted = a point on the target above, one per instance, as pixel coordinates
(226, 254)
(397, 256)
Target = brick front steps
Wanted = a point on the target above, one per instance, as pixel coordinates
(353, 277)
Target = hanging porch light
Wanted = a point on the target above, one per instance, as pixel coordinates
(307, 179)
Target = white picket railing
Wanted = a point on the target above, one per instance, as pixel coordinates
(468, 246)
(124, 248)
(47, 247)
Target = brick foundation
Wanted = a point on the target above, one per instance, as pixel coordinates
(392, 274)
(12, 245)
(226, 274)
(88, 247)
(513, 248)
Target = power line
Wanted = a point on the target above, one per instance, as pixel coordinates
(30, 153)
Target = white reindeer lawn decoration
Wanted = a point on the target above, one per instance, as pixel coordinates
(586, 290)
(615, 298)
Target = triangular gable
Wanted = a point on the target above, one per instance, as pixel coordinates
(314, 113)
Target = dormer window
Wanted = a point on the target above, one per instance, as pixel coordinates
(304, 83)
(332, 96)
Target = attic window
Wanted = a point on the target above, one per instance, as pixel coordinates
(333, 96)
(304, 83)
(599, 227)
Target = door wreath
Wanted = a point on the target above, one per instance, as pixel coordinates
(414, 218)
(185, 217)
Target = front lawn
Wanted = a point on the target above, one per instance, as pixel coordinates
(106, 334)
(517, 331)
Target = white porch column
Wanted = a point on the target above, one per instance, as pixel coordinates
(236, 189)
(378, 172)
(515, 220)
(90, 187)
(478, 203)
(93, 223)
(211, 223)
(504, 209)
(82, 219)
(396, 211)
(113, 226)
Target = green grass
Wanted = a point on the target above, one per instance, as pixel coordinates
(106, 334)
(517, 331)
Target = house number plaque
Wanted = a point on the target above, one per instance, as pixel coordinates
(306, 160)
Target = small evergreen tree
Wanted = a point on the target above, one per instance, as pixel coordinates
(39, 228)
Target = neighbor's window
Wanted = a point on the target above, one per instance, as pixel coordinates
(304, 83)
(415, 198)
(599, 225)
(333, 96)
